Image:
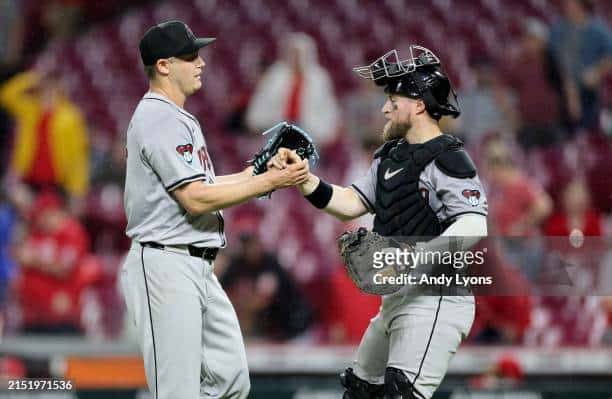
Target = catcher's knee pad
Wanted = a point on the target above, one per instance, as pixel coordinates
(397, 385)
(356, 388)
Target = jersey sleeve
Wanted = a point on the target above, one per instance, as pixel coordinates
(170, 150)
(365, 187)
(457, 196)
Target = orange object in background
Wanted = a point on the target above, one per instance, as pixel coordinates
(116, 372)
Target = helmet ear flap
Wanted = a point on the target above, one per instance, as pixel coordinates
(432, 106)
(438, 109)
(436, 88)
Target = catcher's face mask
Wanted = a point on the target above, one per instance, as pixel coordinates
(418, 76)
(390, 65)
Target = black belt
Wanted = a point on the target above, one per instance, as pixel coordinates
(199, 252)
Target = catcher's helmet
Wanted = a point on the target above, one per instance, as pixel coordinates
(419, 76)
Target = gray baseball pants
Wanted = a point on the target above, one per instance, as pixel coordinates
(187, 328)
(416, 335)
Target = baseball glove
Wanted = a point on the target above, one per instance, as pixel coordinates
(358, 251)
(288, 136)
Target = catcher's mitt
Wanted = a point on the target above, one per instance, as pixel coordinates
(358, 248)
(288, 136)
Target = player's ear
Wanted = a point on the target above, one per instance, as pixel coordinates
(420, 106)
(162, 66)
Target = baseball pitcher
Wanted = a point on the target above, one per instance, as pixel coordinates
(186, 326)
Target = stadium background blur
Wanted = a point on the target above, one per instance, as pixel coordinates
(538, 123)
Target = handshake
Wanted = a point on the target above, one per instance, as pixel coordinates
(284, 159)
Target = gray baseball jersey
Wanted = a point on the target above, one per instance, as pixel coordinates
(166, 149)
(448, 196)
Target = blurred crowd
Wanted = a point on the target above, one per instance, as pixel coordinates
(538, 123)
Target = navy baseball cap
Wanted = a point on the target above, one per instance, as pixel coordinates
(169, 39)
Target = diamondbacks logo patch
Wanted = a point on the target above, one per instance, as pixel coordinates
(186, 151)
(473, 196)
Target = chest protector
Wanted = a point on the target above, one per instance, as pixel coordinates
(401, 209)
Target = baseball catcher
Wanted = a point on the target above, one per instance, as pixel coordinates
(416, 188)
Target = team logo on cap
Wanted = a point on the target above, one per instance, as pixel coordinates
(473, 196)
(186, 150)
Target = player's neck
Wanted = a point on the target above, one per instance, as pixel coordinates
(422, 131)
(171, 93)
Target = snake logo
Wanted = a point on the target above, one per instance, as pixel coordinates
(473, 196)
(186, 150)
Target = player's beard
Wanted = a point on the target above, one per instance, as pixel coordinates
(395, 130)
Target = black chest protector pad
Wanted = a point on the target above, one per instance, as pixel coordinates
(401, 208)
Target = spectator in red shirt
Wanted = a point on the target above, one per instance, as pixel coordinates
(517, 204)
(575, 220)
(49, 257)
(576, 213)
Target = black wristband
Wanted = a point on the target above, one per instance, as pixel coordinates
(321, 196)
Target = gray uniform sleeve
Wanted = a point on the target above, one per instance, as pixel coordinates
(454, 196)
(170, 150)
(365, 187)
